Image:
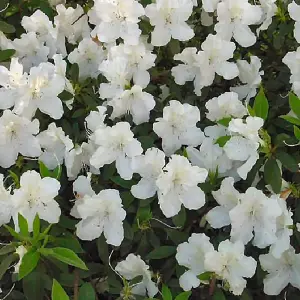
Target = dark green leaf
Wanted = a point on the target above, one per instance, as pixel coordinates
(29, 263)
(6, 263)
(65, 96)
(272, 175)
(183, 296)
(36, 226)
(205, 276)
(288, 161)
(294, 104)
(87, 292)
(180, 218)
(5, 55)
(218, 294)
(58, 292)
(7, 28)
(290, 119)
(162, 252)
(102, 249)
(136, 280)
(34, 286)
(261, 105)
(74, 73)
(68, 256)
(7, 249)
(126, 184)
(14, 233)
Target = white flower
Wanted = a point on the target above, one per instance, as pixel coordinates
(283, 233)
(269, 9)
(258, 213)
(230, 263)
(71, 23)
(133, 101)
(132, 267)
(56, 2)
(36, 196)
(17, 135)
(169, 20)
(177, 127)
(191, 255)
(11, 80)
(6, 205)
(55, 144)
(149, 166)
(294, 11)
(116, 19)
(248, 129)
(250, 76)
(227, 197)
(20, 251)
(210, 5)
(41, 92)
(116, 144)
(101, 213)
(210, 156)
(225, 106)
(177, 185)
(95, 119)
(30, 50)
(234, 19)
(202, 66)
(88, 55)
(282, 271)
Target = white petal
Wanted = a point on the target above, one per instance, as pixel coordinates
(218, 217)
(188, 281)
(193, 198)
(146, 188)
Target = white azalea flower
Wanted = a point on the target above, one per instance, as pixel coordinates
(36, 196)
(11, 80)
(269, 9)
(88, 55)
(132, 267)
(169, 20)
(116, 19)
(133, 101)
(6, 204)
(101, 213)
(210, 5)
(234, 19)
(177, 127)
(116, 144)
(177, 185)
(283, 233)
(258, 213)
(41, 92)
(191, 255)
(230, 263)
(250, 76)
(149, 166)
(72, 23)
(55, 144)
(30, 50)
(17, 135)
(56, 2)
(294, 11)
(95, 119)
(282, 271)
(225, 106)
(227, 197)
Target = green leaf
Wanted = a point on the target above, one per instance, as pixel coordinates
(297, 132)
(14, 233)
(221, 141)
(162, 252)
(36, 226)
(272, 175)
(23, 225)
(69, 242)
(126, 184)
(74, 73)
(87, 292)
(251, 111)
(294, 104)
(290, 119)
(136, 280)
(5, 55)
(7, 28)
(34, 285)
(15, 178)
(102, 249)
(65, 96)
(68, 256)
(205, 276)
(183, 296)
(288, 161)
(180, 218)
(218, 294)
(44, 170)
(6, 262)
(225, 122)
(29, 263)
(7, 249)
(261, 105)
(58, 293)
(166, 293)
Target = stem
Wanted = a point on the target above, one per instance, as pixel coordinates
(76, 283)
